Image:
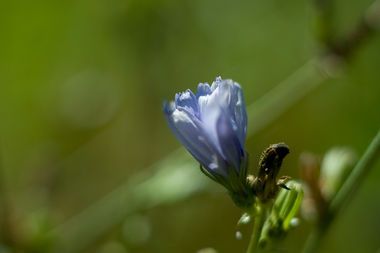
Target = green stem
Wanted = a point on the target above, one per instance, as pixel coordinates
(257, 228)
(356, 176)
(345, 192)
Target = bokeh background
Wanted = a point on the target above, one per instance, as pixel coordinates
(81, 90)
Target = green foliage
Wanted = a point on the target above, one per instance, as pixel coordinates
(81, 87)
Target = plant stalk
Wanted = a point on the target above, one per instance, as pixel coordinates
(260, 216)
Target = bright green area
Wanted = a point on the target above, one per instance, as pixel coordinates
(81, 90)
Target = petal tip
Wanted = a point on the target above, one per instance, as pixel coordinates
(168, 107)
(203, 89)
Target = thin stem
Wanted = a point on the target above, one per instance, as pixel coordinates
(345, 192)
(257, 228)
(364, 29)
(356, 176)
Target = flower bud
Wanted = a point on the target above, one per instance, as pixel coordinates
(212, 125)
(335, 166)
(285, 208)
(266, 185)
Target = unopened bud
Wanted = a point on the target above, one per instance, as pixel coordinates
(282, 216)
(335, 166)
(288, 203)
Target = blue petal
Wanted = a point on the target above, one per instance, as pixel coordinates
(217, 125)
(209, 114)
(208, 102)
(187, 101)
(168, 108)
(189, 131)
(229, 142)
(212, 124)
(203, 89)
(216, 83)
(240, 114)
(230, 97)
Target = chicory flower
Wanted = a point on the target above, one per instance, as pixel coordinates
(212, 126)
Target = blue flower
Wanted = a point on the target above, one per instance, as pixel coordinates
(212, 126)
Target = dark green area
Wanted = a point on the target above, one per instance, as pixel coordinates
(81, 91)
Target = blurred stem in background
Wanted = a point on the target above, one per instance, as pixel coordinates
(356, 176)
(344, 48)
(341, 198)
(324, 12)
(364, 29)
(176, 177)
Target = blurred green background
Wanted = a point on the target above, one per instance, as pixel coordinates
(81, 90)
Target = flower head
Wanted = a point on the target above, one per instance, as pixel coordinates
(212, 126)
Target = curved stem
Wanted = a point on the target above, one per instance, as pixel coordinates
(257, 227)
(342, 196)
